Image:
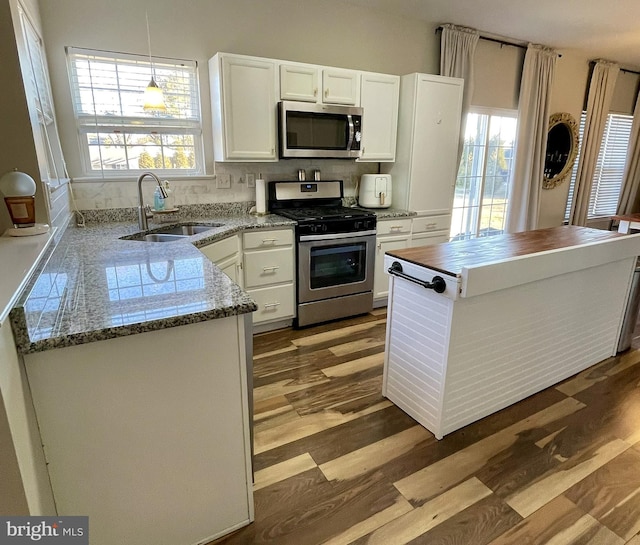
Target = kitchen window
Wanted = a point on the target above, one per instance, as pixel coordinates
(117, 136)
(38, 91)
(483, 183)
(609, 172)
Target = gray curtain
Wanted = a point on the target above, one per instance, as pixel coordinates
(531, 143)
(603, 81)
(630, 194)
(457, 50)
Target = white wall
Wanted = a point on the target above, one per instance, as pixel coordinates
(325, 32)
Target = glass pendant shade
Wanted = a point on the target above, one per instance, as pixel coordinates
(153, 97)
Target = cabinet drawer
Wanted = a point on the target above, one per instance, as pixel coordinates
(268, 239)
(273, 303)
(268, 267)
(222, 249)
(393, 227)
(429, 239)
(431, 223)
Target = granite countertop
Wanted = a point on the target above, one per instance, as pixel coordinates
(19, 257)
(386, 213)
(95, 286)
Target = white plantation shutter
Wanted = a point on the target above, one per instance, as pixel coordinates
(609, 172)
(107, 91)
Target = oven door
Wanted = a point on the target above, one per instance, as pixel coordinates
(335, 265)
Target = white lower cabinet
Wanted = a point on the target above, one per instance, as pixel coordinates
(400, 233)
(274, 303)
(427, 230)
(393, 234)
(262, 262)
(148, 434)
(269, 273)
(226, 254)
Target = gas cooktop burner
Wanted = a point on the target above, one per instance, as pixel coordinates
(319, 213)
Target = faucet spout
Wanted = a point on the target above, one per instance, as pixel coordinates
(144, 212)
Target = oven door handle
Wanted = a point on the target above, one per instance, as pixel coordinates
(357, 234)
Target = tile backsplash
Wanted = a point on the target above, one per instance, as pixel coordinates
(101, 194)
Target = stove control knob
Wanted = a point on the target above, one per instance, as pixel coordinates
(357, 225)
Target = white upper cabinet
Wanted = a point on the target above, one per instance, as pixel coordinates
(424, 173)
(243, 107)
(299, 82)
(245, 92)
(379, 97)
(340, 86)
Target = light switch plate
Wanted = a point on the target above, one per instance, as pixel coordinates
(223, 181)
(251, 180)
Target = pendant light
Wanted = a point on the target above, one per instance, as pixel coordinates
(153, 97)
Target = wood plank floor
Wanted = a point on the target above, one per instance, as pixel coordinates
(336, 463)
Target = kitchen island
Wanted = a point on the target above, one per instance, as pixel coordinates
(515, 314)
(138, 358)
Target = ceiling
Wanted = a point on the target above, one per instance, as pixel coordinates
(592, 28)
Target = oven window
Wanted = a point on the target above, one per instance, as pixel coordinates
(337, 265)
(316, 131)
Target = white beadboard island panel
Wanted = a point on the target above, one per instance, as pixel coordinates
(416, 354)
(509, 344)
(454, 358)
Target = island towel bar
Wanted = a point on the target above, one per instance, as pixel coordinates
(437, 282)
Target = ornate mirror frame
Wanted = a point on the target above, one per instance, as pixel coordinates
(562, 149)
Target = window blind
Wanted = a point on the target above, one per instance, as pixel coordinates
(107, 91)
(609, 171)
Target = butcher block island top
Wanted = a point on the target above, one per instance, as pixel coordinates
(450, 258)
(518, 313)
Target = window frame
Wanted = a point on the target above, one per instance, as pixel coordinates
(599, 169)
(189, 121)
(490, 112)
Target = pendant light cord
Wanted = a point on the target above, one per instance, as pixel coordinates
(153, 72)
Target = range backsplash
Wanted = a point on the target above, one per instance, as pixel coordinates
(115, 194)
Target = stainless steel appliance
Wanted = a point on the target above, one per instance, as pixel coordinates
(319, 130)
(335, 250)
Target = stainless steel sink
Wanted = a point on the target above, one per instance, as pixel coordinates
(186, 230)
(171, 234)
(160, 237)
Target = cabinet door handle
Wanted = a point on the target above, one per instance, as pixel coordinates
(271, 305)
(326, 92)
(270, 269)
(315, 92)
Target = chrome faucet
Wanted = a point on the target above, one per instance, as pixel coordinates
(144, 212)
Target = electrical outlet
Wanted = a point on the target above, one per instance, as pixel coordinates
(223, 181)
(251, 180)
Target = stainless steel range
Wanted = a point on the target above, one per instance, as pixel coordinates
(336, 249)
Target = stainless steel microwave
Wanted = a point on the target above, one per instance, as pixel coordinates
(319, 130)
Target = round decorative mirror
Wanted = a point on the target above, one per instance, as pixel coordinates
(562, 149)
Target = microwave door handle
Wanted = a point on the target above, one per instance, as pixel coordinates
(352, 131)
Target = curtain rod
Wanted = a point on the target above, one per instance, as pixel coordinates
(498, 41)
(628, 70)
